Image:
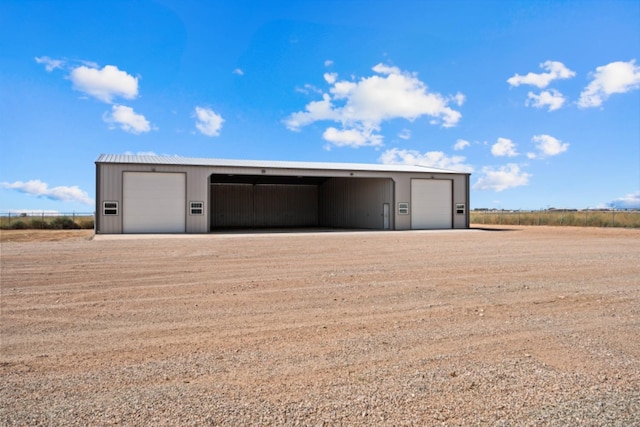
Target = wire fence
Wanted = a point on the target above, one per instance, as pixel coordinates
(46, 220)
(559, 217)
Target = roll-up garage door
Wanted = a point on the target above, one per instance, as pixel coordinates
(153, 202)
(431, 203)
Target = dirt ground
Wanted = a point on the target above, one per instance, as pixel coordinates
(514, 326)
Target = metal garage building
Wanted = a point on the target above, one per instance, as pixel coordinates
(153, 194)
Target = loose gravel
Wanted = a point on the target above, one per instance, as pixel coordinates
(525, 326)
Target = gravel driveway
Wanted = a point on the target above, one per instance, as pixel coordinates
(522, 326)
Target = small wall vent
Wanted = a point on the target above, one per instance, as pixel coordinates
(109, 208)
(196, 208)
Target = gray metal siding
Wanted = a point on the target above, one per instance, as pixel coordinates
(349, 202)
(286, 205)
(354, 203)
(231, 205)
(247, 205)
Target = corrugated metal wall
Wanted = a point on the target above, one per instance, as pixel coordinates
(247, 205)
(343, 200)
(354, 202)
(286, 205)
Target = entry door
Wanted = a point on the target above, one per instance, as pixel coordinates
(153, 202)
(386, 221)
(431, 203)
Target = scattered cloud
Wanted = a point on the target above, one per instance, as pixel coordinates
(502, 178)
(32, 212)
(630, 201)
(49, 63)
(555, 70)
(435, 159)
(361, 106)
(328, 63)
(208, 122)
(547, 146)
(126, 119)
(308, 89)
(461, 144)
(458, 98)
(504, 147)
(330, 77)
(404, 134)
(140, 153)
(547, 98)
(350, 138)
(615, 77)
(105, 83)
(238, 71)
(38, 188)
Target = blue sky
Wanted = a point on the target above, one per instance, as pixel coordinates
(539, 100)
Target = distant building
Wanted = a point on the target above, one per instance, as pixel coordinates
(153, 194)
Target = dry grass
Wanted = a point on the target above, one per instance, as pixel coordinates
(43, 235)
(625, 219)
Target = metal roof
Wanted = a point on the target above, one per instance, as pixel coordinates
(194, 161)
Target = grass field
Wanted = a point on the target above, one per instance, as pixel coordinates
(587, 218)
(46, 222)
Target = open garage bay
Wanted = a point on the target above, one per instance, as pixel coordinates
(526, 326)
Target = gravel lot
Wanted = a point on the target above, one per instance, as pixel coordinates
(521, 326)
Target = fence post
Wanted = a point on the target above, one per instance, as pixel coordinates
(613, 217)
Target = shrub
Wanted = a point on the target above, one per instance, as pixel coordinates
(18, 225)
(39, 224)
(86, 224)
(64, 223)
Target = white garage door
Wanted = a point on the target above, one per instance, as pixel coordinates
(153, 202)
(431, 203)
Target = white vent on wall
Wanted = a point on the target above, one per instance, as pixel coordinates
(109, 208)
(196, 208)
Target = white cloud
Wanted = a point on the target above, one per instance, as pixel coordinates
(127, 119)
(404, 134)
(555, 70)
(502, 178)
(458, 98)
(38, 188)
(328, 63)
(548, 146)
(308, 88)
(104, 84)
(504, 147)
(32, 212)
(551, 98)
(436, 159)
(49, 63)
(141, 153)
(238, 71)
(208, 122)
(461, 144)
(630, 201)
(330, 77)
(362, 106)
(615, 77)
(351, 138)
